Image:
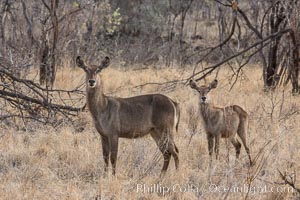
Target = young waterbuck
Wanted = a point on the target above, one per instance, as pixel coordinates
(133, 117)
(222, 122)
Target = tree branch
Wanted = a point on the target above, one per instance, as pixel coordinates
(213, 67)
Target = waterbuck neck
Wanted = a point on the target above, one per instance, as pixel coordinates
(96, 100)
(206, 110)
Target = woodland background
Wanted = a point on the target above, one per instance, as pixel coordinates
(251, 47)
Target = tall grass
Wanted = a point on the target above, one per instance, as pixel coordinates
(61, 163)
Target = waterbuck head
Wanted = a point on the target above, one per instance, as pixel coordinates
(91, 71)
(204, 89)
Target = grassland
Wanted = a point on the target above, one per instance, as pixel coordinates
(60, 163)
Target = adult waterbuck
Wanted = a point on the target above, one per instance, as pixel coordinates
(222, 122)
(132, 117)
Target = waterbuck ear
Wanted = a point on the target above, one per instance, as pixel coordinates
(193, 84)
(80, 63)
(213, 84)
(105, 63)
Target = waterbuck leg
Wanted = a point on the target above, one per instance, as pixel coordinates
(162, 143)
(242, 133)
(248, 152)
(174, 151)
(242, 136)
(105, 151)
(167, 158)
(210, 140)
(217, 145)
(114, 143)
(237, 145)
(172, 148)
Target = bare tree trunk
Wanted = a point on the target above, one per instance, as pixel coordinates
(52, 70)
(276, 18)
(29, 24)
(5, 8)
(295, 67)
(197, 19)
(184, 9)
(44, 56)
(48, 48)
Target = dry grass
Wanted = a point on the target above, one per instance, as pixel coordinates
(62, 164)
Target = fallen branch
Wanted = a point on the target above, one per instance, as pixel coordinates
(4, 94)
(29, 101)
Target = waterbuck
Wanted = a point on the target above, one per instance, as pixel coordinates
(222, 122)
(133, 117)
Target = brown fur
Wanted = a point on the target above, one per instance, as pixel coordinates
(133, 117)
(222, 122)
